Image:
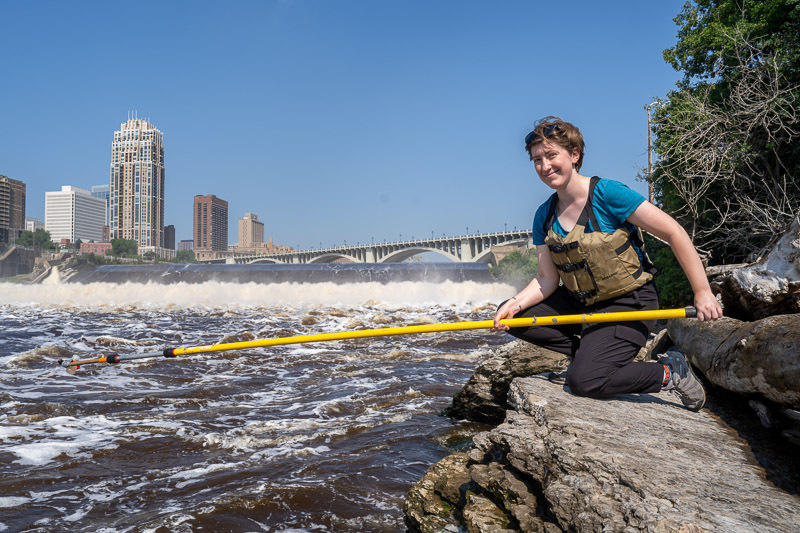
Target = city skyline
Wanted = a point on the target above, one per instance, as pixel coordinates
(353, 121)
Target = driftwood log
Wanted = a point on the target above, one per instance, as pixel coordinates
(751, 358)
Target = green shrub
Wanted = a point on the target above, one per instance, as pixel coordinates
(673, 287)
(517, 268)
(185, 256)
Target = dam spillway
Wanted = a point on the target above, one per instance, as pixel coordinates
(295, 273)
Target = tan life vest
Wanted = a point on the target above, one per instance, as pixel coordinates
(597, 266)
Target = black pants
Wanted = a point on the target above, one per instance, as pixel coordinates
(602, 354)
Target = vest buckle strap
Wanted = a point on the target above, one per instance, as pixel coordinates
(582, 296)
(561, 248)
(572, 267)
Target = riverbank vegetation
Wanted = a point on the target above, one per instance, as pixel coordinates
(727, 137)
(517, 268)
(38, 240)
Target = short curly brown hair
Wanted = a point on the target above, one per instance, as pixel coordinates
(557, 131)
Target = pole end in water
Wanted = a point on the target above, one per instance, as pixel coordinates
(68, 366)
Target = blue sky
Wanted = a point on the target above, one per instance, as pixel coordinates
(333, 121)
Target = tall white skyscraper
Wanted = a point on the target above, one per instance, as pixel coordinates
(73, 213)
(137, 184)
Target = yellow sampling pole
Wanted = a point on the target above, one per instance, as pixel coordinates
(558, 320)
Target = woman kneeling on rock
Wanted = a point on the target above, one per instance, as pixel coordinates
(588, 237)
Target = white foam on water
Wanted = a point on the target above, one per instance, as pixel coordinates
(198, 474)
(172, 521)
(44, 495)
(250, 442)
(104, 491)
(224, 295)
(56, 436)
(40, 453)
(13, 501)
(468, 357)
(79, 514)
(7, 359)
(288, 451)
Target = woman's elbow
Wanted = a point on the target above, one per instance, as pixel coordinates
(548, 285)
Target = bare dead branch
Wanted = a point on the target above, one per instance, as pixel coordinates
(727, 160)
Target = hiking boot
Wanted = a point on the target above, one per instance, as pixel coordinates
(560, 376)
(683, 381)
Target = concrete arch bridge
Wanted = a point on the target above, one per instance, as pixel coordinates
(485, 247)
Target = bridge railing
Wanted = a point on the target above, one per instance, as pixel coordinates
(506, 236)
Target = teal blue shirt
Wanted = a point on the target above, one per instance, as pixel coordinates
(613, 204)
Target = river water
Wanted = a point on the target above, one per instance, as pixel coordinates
(309, 437)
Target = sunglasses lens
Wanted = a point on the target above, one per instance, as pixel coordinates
(530, 137)
(547, 132)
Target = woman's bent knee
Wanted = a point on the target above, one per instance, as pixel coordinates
(580, 387)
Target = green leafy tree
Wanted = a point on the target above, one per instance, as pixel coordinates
(705, 50)
(25, 238)
(38, 239)
(517, 268)
(185, 256)
(94, 259)
(728, 137)
(124, 247)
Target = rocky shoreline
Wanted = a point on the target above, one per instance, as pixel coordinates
(560, 462)
(632, 463)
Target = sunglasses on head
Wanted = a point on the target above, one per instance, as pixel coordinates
(546, 132)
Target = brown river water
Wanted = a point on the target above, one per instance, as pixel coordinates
(309, 437)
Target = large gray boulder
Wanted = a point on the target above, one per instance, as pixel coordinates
(632, 463)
